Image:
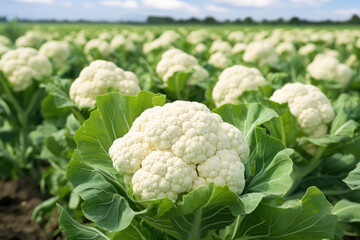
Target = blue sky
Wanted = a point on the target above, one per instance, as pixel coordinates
(138, 10)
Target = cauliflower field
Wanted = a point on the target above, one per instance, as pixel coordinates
(185, 132)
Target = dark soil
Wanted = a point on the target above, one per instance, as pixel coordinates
(18, 198)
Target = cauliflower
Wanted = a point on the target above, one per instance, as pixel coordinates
(30, 39)
(308, 49)
(235, 80)
(309, 105)
(219, 60)
(103, 48)
(286, 49)
(164, 41)
(199, 49)
(262, 53)
(220, 46)
(3, 50)
(98, 78)
(236, 36)
(4, 41)
(177, 148)
(197, 36)
(175, 60)
(328, 68)
(119, 42)
(58, 52)
(22, 65)
(238, 48)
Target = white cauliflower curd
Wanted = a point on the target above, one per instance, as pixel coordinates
(309, 105)
(235, 80)
(175, 60)
(102, 47)
(30, 39)
(4, 41)
(177, 148)
(220, 46)
(58, 52)
(98, 78)
(119, 42)
(328, 68)
(262, 53)
(21, 66)
(219, 60)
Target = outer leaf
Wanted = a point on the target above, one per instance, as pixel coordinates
(246, 116)
(59, 88)
(347, 211)
(309, 219)
(270, 166)
(76, 231)
(353, 179)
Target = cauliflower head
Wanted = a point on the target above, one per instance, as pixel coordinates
(97, 79)
(235, 80)
(30, 39)
(325, 67)
(103, 48)
(220, 46)
(119, 42)
(309, 105)
(262, 53)
(219, 60)
(58, 52)
(22, 65)
(175, 60)
(4, 41)
(177, 148)
(286, 49)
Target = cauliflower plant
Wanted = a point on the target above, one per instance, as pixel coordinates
(262, 53)
(103, 48)
(164, 41)
(238, 48)
(235, 80)
(177, 148)
(97, 79)
(197, 36)
(57, 51)
(308, 49)
(220, 46)
(30, 39)
(199, 49)
(22, 65)
(309, 105)
(286, 49)
(175, 60)
(328, 68)
(3, 50)
(119, 42)
(4, 41)
(219, 60)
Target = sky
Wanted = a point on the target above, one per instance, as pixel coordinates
(138, 10)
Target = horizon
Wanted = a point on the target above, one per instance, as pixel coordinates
(139, 10)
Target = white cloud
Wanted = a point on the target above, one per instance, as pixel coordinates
(215, 8)
(88, 5)
(313, 3)
(122, 4)
(249, 3)
(170, 5)
(347, 12)
(67, 4)
(36, 1)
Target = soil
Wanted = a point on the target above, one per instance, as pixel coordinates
(18, 198)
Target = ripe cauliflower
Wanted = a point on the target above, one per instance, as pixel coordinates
(308, 49)
(22, 65)
(219, 60)
(177, 148)
(58, 52)
(238, 48)
(102, 47)
(235, 80)
(328, 68)
(119, 42)
(220, 46)
(4, 41)
(175, 60)
(30, 39)
(166, 40)
(309, 105)
(286, 49)
(98, 78)
(3, 50)
(262, 53)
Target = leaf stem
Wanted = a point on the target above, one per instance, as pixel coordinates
(195, 233)
(78, 115)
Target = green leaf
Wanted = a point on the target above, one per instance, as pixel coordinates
(59, 88)
(246, 116)
(347, 211)
(353, 179)
(270, 166)
(309, 219)
(76, 231)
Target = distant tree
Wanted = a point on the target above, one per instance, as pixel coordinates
(354, 19)
(160, 20)
(294, 21)
(210, 20)
(238, 21)
(193, 20)
(3, 19)
(249, 20)
(279, 21)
